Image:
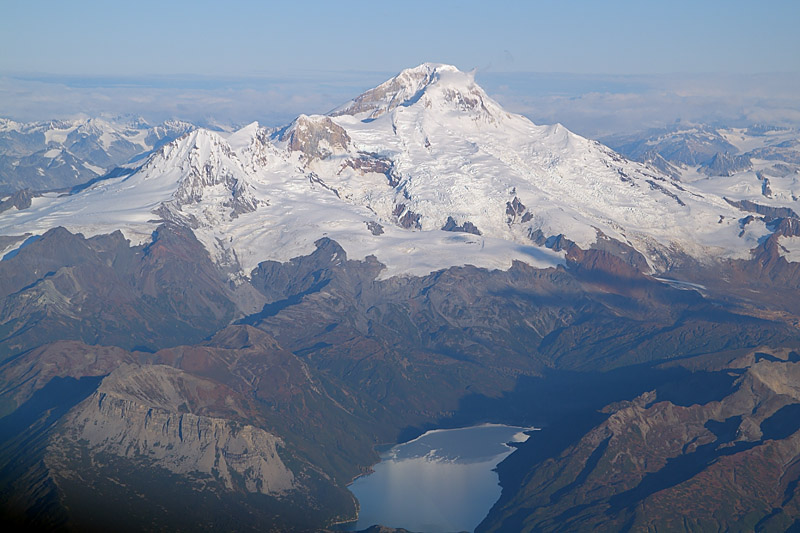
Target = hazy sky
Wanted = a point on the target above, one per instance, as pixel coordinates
(260, 37)
(596, 66)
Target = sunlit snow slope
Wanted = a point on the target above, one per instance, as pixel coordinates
(425, 171)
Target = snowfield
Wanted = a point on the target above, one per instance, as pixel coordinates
(384, 173)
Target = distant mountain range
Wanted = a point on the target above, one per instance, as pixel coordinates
(61, 154)
(231, 321)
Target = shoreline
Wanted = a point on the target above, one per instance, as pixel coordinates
(520, 435)
(371, 470)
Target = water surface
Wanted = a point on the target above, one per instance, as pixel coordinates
(441, 481)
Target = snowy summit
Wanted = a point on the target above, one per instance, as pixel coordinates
(424, 172)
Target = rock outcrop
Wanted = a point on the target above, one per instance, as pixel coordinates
(316, 137)
(140, 413)
(668, 460)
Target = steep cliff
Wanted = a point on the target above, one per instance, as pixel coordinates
(140, 413)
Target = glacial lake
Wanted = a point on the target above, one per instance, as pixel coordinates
(442, 481)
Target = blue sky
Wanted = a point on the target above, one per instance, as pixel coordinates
(264, 38)
(270, 60)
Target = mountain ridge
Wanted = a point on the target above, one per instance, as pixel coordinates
(439, 149)
(59, 154)
(297, 296)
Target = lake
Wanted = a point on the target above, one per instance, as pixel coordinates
(441, 481)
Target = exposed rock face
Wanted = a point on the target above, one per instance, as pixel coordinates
(768, 282)
(213, 170)
(389, 95)
(786, 151)
(663, 190)
(136, 414)
(666, 461)
(725, 164)
(187, 426)
(469, 102)
(406, 218)
(20, 200)
(466, 227)
(657, 161)
(766, 210)
(56, 286)
(374, 228)
(778, 170)
(378, 164)
(317, 137)
(517, 212)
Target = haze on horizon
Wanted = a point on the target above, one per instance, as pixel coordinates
(599, 68)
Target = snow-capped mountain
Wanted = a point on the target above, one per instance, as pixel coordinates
(424, 172)
(756, 168)
(190, 371)
(57, 154)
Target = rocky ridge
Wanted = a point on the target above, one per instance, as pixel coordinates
(142, 414)
(665, 452)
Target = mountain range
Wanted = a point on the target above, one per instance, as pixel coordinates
(60, 154)
(230, 322)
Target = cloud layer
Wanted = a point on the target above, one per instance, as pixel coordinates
(601, 105)
(594, 106)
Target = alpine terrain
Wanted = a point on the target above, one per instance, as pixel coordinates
(60, 154)
(216, 329)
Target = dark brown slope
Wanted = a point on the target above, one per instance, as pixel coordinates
(335, 362)
(468, 331)
(103, 291)
(766, 284)
(665, 462)
(331, 425)
(236, 427)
